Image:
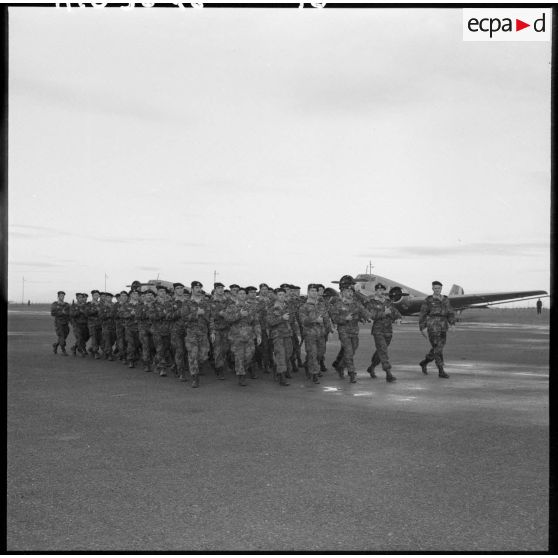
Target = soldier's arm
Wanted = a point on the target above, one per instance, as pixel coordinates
(423, 315)
(275, 316)
(451, 313)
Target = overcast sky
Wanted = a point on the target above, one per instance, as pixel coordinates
(273, 145)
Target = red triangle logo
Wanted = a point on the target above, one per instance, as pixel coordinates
(519, 25)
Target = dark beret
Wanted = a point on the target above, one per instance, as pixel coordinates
(177, 285)
(284, 286)
(264, 285)
(95, 291)
(79, 294)
(312, 286)
(234, 286)
(436, 283)
(195, 284)
(250, 289)
(60, 292)
(280, 290)
(124, 293)
(108, 294)
(215, 285)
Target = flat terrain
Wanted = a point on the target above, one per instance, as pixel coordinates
(101, 457)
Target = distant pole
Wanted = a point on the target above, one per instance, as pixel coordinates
(215, 276)
(105, 282)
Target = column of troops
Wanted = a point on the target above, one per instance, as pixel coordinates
(241, 329)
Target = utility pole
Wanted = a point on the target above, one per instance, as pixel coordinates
(215, 276)
(105, 282)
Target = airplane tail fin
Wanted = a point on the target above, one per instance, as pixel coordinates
(456, 290)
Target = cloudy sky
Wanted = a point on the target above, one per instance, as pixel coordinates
(273, 145)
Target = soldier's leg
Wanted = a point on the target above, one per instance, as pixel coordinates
(311, 346)
(192, 348)
(321, 350)
(145, 337)
(249, 353)
(439, 341)
(131, 347)
(177, 344)
(281, 358)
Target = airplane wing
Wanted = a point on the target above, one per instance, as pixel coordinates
(467, 300)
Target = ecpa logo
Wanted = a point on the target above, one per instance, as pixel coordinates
(506, 24)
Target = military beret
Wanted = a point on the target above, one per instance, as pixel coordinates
(320, 286)
(60, 292)
(234, 286)
(312, 286)
(284, 286)
(264, 285)
(124, 293)
(79, 294)
(436, 283)
(330, 292)
(279, 290)
(162, 288)
(177, 285)
(108, 294)
(136, 283)
(84, 294)
(242, 289)
(117, 295)
(215, 285)
(195, 284)
(250, 289)
(379, 286)
(227, 291)
(347, 279)
(95, 291)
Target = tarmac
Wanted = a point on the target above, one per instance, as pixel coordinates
(106, 458)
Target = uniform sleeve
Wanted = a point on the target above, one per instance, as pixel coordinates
(275, 316)
(423, 315)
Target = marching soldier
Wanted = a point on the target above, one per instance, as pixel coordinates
(121, 298)
(347, 312)
(244, 328)
(264, 351)
(94, 324)
(196, 314)
(436, 314)
(108, 329)
(78, 315)
(280, 324)
(315, 322)
(383, 314)
(219, 329)
(60, 311)
(145, 328)
(159, 313)
(129, 313)
(178, 331)
(321, 361)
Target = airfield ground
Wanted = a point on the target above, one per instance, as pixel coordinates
(101, 457)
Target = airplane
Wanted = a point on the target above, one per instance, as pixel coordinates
(408, 301)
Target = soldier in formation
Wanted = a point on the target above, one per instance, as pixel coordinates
(244, 328)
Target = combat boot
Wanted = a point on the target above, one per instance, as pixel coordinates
(339, 370)
(352, 375)
(288, 374)
(283, 380)
(55, 348)
(390, 377)
(74, 350)
(195, 381)
(220, 373)
(64, 353)
(315, 379)
(322, 365)
(441, 373)
(181, 378)
(252, 372)
(162, 372)
(146, 367)
(370, 371)
(293, 365)
(242, 380)
(131, 365)
(423, 364)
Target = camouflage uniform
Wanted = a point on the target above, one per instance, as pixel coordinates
(177, 335)
(95, 328)
(281, 335)
(264, 351)
(129, 312)
(145, 330)
(159, 314)
(120, 332)
(197, 329)
(348, 330)
(108, 328)
(315, 322)
(382, 331)
(78, 315)
(60, 311)
(436, 314)
(243, 331)
(219, 327)
(294, 302)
